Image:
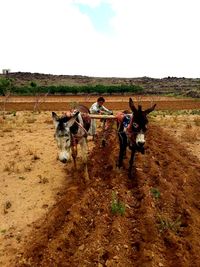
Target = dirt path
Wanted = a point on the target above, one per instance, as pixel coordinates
(157, 223)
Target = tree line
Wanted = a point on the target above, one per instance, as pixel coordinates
(7, 86)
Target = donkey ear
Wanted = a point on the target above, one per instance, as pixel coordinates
(55, 119)
(54, 116)
(147, 111)
(72, 120)
(131, 105)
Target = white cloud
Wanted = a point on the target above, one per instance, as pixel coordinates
(150, 38)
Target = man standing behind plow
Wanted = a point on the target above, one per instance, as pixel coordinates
(98, 108)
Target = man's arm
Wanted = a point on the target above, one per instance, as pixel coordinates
(106, 110)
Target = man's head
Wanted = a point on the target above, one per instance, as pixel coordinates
(100, 101)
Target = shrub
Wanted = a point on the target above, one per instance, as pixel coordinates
(155, 192)
(117, 207)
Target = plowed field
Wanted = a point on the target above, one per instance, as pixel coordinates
(81, 229)
(112, 102)
(57, 219)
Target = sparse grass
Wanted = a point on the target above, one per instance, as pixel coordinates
(9, 167)
(30, 152)
(31, 120)
(35, 157)
(7, 205)
(155, 192)
(175, 112)
(17, 153)
(21, 177)
(8, 124)
(175, 118)
(195, 112)
(13, 112)
(27, 168)
(7, 129)
(197, 121)
(43, 180)
(188, 126)
(117, 207)
(20, 124)
(190, 135)
(33, 154)
(166, 224)
(29, 130)
(48, 121)
(2, 120)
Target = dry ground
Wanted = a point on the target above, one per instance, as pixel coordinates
(50, 217)
(30, 176)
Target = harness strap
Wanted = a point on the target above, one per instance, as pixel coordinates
(74, 149)
(81, 126)
(126, 121)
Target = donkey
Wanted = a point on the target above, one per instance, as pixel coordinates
(70, 130)
(131, 132)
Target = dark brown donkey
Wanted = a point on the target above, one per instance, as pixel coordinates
(131, 132)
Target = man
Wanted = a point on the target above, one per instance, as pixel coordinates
(97, 108)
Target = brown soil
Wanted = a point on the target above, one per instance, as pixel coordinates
(51, 217)
(81, 229)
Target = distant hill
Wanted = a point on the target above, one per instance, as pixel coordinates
(169, 85)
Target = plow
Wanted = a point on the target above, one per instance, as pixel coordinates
(107, 123)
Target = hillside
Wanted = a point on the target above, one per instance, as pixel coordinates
(169, 85)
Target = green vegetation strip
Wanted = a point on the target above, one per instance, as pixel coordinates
(7, 85)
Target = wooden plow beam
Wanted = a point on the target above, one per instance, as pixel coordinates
(102, 116)
(96, 116)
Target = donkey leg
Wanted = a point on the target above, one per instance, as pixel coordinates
(120, 159)
(86, 173)
(84, 151)
(122, 150)
(74, 155)
(121, 156)
(122, 153)
(131, 163)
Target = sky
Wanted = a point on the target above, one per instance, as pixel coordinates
(102, 38)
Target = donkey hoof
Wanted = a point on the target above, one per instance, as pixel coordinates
(131, 174)
(103, 143)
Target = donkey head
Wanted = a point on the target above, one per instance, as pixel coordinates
(63, 135)
(138, 125)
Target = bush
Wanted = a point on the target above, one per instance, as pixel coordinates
(6, 86)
